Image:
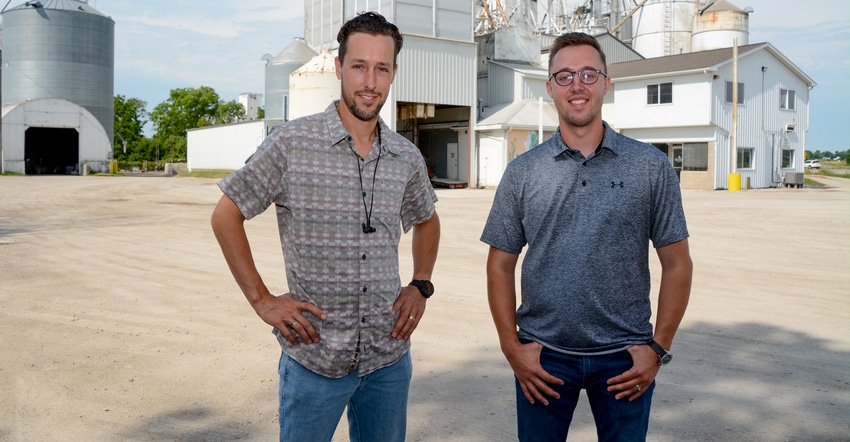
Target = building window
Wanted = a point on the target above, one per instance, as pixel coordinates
(695, 156)
(787, 158)
(729, 92)
(787, 99)
(659, 93)
(745, 157)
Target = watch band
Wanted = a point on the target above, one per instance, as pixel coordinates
(426, 288)
(664, 356)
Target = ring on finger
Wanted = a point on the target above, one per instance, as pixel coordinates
(411, 317)
(292, 324)
(638, 387)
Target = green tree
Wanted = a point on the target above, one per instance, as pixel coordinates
(189, 108)
(261, 113)
(130, 118)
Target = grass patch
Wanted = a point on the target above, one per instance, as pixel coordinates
(830, 173)
(12, 174)
(205, 173)
(810, 182)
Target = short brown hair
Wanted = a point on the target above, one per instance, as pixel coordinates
(370, 23)
(576, 39)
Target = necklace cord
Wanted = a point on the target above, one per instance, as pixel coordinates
(367, 226)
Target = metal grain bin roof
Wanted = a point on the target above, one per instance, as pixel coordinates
(59, 5)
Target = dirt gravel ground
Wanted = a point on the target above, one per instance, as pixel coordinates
(119, 320)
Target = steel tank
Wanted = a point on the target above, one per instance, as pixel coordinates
(719, 25)
(663, 27)
(61, 49)
(278, 70)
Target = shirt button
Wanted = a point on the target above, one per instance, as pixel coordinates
(364, 289)
(363, 320)
(363, 257)
(584, 183)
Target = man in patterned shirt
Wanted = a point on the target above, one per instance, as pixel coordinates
(344, 186)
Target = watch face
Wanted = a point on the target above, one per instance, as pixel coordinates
(427, 288)
(665, 359)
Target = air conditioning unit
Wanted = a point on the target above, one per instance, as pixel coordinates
(789, 127)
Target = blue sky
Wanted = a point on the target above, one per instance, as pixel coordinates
(162, 45)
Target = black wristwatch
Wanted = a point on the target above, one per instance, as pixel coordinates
(664, 356)
(425, 287)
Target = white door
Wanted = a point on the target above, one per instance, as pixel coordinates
(491, 161)
(451, 161)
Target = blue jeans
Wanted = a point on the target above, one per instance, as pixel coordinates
(616, 420)
(311, 404)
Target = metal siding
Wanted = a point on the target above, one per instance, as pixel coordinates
(61, 54)
(95, 148)
(415, 16)
(435, 18)
(224, 147)
(691, 103)
(535, 88)
(761, 122)
(501, 84)
(436, 71)
(454, 20)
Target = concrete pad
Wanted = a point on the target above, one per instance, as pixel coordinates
(119, 320)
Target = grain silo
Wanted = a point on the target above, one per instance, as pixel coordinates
(718, 25)
(314, 85)
(59, 51)
(278, 70)
(663, 27)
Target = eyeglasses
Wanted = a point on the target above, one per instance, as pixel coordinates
(586, 76)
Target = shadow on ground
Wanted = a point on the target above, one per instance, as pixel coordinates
(748, 382)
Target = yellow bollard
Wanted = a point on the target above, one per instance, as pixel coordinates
(734, 182)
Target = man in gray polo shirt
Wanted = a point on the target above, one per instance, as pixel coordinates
(344, 186)
(587, 203)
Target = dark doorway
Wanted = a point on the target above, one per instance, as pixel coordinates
(51, 151)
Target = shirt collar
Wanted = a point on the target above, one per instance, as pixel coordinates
(339, 135)
(607, 142)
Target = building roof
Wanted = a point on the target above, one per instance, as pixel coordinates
(528, 70)
(61, 5)
(696, 61)
(722, 5)
(522, 114)
(297, 52)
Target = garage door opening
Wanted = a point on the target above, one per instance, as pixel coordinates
(51, 151)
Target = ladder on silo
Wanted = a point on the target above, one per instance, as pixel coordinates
(668, 24)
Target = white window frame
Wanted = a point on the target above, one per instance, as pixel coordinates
(659, 95)
(747, 153)
(787, 99)
(729, 92)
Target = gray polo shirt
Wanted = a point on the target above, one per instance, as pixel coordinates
(307, 169)
(588, 223)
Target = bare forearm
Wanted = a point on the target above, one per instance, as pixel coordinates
(674, 293)
(501, 295)
(426, 243)
(228, 227)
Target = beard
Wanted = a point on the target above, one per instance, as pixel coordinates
(579, 121)
(361, 114)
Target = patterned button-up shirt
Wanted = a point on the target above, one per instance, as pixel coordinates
(308, 169)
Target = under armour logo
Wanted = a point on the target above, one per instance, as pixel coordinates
(616, 184)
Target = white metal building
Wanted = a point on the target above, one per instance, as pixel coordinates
(683, 105)
(57, 52)
(226, 146)
(432, 100)
(30, 125)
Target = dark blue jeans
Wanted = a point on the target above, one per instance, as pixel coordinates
(616, 420)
